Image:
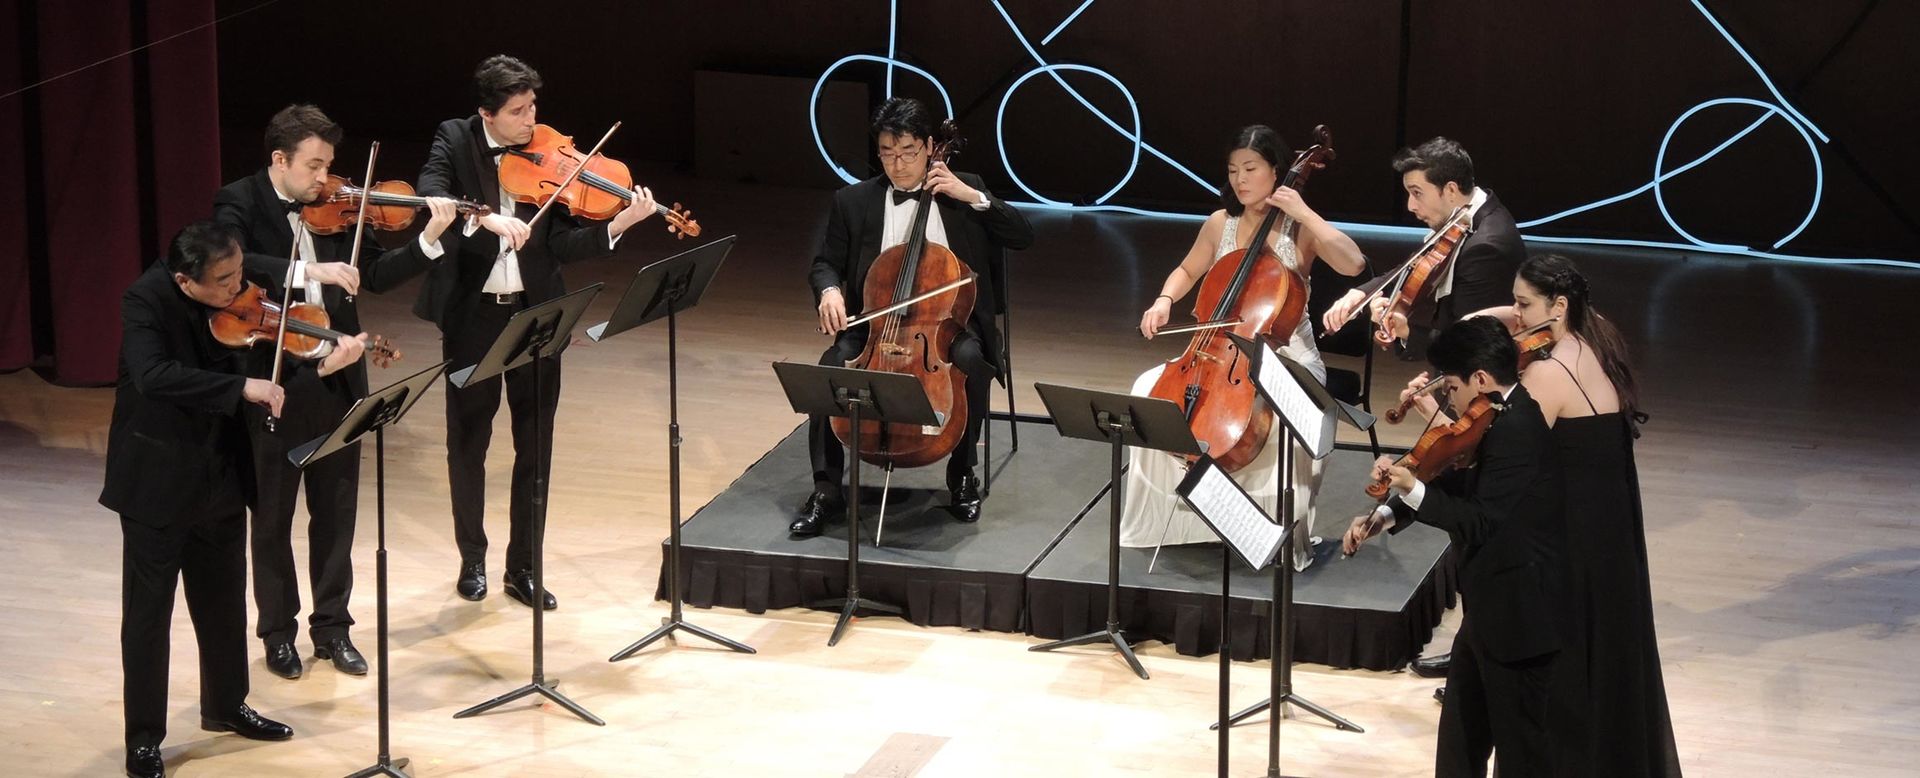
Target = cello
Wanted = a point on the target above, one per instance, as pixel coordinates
(915, 339)
(1249, 292)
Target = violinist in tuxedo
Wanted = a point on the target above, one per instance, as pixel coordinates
(872, 216)
(501, 265)
(264, 209)
(1506, 516)
(179, 474)
(1438, 178)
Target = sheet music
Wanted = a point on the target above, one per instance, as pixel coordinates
(1291, 401)
(1235, 517)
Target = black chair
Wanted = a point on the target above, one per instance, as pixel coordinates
(1353, 340)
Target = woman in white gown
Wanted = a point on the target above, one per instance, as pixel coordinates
(1153, 515)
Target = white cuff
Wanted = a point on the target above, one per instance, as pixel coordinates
(430, 248)
(300, 274)
(473, 225)
(612, 239)
(985, 202)
(1413, 498)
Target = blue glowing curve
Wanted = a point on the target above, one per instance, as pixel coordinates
(1780, 108)
(813, 103)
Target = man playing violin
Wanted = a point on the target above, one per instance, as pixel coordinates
(500, 266)
(265, 210)
(1506, 516)
(872, 216)
(178, 473)
(1438, 178)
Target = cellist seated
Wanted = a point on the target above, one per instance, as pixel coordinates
(1153, 515)
(877, 214)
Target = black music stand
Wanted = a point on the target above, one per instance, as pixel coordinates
(1120, 420)
(1244, 529)
(661, 291)
(375, 413)
(858, 395)
(1300, 402)
(532, 336)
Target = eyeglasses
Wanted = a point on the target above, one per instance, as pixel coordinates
(909, 157)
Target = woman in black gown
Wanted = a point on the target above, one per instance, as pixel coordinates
(1609, 701)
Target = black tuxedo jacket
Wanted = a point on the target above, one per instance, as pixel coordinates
(978, 238)
(1483, 268)
(1506, 515)
(459, 166)
(251, 206)
(176, 444)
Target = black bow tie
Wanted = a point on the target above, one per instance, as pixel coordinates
(292, 206)
(900, 198)
(494, 151)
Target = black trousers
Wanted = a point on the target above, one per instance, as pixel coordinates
(829, 456)
(210, 553)
(1493, 706)
(333, 491)
(470, 413)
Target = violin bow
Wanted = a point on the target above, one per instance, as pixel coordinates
(571, 177)
(280, 336)
(360, 214)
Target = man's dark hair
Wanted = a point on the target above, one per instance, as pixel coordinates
(1266, 142)
(1473, 344)
(1442, 160)
(904, 116)
(499, 78)
(296, 123)
(201, 244)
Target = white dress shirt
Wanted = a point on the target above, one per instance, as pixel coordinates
(899, 220)
(303, 241)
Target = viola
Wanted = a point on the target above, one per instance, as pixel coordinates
(1250, 293)
(916, 339)
(1422, 271)
(389, 205)
(1534, 343)
(1444, 447)
(603, 187)
(252, 318)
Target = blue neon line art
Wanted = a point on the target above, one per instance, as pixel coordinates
(1779, 109)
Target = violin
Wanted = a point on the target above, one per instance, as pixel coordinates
(1422, 271)
(390, 206)
(915, 339)
(1248, 292)
(604, 187)
(252, 317)
(1534, 343)
(1441, 448)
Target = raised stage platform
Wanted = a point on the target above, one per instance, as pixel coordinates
(1036, 561)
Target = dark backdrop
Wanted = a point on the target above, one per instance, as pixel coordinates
(1562, 103)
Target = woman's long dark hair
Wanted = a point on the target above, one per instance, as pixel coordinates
(1554, 275)
(1266, 142)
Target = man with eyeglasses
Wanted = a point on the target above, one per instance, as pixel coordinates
(877, 214)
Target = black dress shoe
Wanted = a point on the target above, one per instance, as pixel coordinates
(144, 762)
(1433, 666)
(966, 499)
(1440, 695)
(520, 585)
(346, 658)
(820, 510)
(248, 724)
(283, 661)
(472, 583)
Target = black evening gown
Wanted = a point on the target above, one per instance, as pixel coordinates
(1609, 701)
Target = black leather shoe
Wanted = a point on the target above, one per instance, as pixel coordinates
(820, 510)
(346, 658)
(1440, 695)
(520, 585)
(248, 724)
(472, 583)
(966, 499)
(144, 762)
(283, 661)
(1433, 666)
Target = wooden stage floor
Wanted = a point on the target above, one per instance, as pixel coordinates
(1780, 481)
